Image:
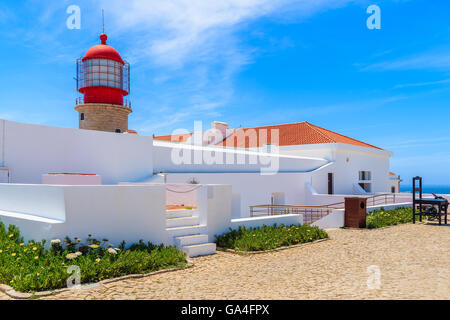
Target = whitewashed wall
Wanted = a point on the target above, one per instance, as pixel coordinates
(129, 213)
(214, 206)
(163, 160)
(250, 188)
(33, 150)
(346, 173)
(182, 194)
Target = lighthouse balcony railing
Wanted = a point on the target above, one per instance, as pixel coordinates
(126, 103)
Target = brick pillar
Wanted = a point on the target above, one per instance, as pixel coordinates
(355, 212)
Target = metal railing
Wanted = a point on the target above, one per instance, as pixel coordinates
(385, 198)
(313, 213)
(381, 199)
(310, 213)
(126, 103)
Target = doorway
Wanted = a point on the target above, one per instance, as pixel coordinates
(277, 198)
(330, 183)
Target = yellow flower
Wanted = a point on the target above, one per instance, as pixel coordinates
(34, 249)
(13, 254)
(26, 250)
(94, 246)
(35, 258)
(11, 235)
(22, 244)
(97, 260)
(310, 238)
(1, 251)
(38, 274)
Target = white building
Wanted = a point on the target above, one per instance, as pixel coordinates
(140, 176)
(394, 182)
(100, 180)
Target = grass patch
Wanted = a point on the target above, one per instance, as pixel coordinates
(30, 267)
(383, 218)
(267, 238)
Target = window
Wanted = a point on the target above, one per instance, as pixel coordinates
(365, 180)
(365, 176)
(82, 116)
(118, 131)
(102, 72)
(392, 189)
(366, 186)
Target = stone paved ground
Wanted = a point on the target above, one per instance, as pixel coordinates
(414, 261)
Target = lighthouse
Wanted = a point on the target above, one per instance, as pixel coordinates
(103, 79)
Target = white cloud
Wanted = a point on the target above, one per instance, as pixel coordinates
(422, 84)
(436, 60)
(421, 143)
(196, 43)
(173, 32)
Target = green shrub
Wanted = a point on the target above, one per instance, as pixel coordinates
(266, 238)
(30, 267)
(383, 218)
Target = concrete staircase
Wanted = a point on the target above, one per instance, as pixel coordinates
(189, 235)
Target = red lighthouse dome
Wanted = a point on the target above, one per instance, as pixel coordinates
(103, 51)
(102, 75)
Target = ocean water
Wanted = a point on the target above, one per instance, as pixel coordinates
(427, 189)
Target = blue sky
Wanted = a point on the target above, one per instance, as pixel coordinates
(249, 63)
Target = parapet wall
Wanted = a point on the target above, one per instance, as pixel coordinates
(29, 151)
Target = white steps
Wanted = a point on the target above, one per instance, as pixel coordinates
(190, 240)
(189, 236)
(202, 249)
(182, 222)
(179, 213)
(186, 231)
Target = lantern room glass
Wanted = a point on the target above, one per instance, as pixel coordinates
(104, 73)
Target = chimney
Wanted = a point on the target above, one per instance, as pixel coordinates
(221, 127)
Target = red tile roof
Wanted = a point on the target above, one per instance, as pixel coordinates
(289, 134)
(174, 138)
(292, 134)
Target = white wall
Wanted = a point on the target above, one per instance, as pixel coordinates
(129, 213)
(182, 194)
(250, 188)
(33, 150)
(346, 173)
(257, 222)
(336, 219)
(164, 161)
(214, 206)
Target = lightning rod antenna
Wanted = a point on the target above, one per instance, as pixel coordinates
(103, 20)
